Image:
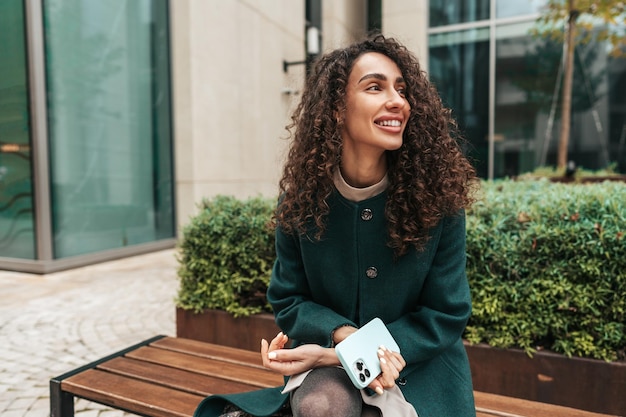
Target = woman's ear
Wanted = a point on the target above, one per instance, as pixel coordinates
(338, 117)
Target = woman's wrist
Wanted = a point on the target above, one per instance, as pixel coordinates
(328, 358)
(340, 333)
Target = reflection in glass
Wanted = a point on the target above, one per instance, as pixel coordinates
(617, 111)
(508, 8)
(451, 12)
(17, 236)
(459, 68)
(109, 124)
(528, 99)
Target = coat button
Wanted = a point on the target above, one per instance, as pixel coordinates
(371, 272)
(402, 381)
(366, 215)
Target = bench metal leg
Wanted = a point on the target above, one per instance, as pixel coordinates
(61, 403)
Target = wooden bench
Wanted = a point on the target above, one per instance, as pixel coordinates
(168, 376)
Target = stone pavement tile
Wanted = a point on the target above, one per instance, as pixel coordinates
(24, 403)
(88, 413)
(14, 413)
(50, 324)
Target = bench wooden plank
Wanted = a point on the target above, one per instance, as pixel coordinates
(131, 394)
(259, 377)
(516, 407)
(188, 381)
(211, 351)
(169, 376)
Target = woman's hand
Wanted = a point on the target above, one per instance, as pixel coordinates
(341, 333)
(391, 363)
(297, 360)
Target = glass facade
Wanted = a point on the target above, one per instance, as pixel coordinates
(103, 125)
(17, 231)
(108, 140)
(504, 85)
(452, 12)
(508, 8)
(458, 65)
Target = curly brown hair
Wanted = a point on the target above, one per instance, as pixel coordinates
(429, 176)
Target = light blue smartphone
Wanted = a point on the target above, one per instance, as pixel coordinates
(358, 352)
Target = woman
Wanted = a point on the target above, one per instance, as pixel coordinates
(370, 224)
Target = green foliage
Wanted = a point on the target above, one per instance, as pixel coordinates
(547, 267)
(226, 256)
(602, 18)
(546, 264)
(581, 172)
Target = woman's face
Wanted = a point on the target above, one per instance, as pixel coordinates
(377, 110)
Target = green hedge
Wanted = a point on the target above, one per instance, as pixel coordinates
(546, 264)
(547, 267)
(226, 256)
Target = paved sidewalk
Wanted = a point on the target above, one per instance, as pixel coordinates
(50, 324)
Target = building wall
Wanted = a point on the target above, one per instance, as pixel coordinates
(342, 22)
(231, 97)
(407, 21)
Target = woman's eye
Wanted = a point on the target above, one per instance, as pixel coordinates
(373, 88)
(402, 91)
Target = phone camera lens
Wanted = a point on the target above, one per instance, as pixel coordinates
(367, 373)
(359, 366)
(362, 377)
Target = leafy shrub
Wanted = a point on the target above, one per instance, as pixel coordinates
(226, 256)
(546, 265)
(579, 174)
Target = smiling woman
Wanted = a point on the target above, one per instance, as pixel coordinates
(370, 223)
(376, 114)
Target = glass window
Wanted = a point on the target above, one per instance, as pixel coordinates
(616, 79)
(526, 75)
(109, 123)
(508, 8)
(451, 12)
(459, 68)
(17, 236)
(528, 99)
(374, 15)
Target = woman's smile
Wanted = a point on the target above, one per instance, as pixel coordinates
(376, 105)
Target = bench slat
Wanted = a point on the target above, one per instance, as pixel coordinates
(515, 407)
(212, 351)
(263, 378)
(131, 394)
(169, 377)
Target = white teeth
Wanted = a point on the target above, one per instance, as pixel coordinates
(395, 123)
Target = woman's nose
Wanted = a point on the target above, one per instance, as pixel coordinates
(396, 100)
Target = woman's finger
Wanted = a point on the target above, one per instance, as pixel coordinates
(264, 352)
(395, 357)
(395, 361)
(389, 369)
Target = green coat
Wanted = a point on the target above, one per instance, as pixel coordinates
(350, 277)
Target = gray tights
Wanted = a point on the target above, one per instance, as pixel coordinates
(328, 392)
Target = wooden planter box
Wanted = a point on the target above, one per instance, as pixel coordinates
(589, 180)
(586, 384)
(219, 327)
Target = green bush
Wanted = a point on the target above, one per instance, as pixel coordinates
(546, 265)
(226, 256)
